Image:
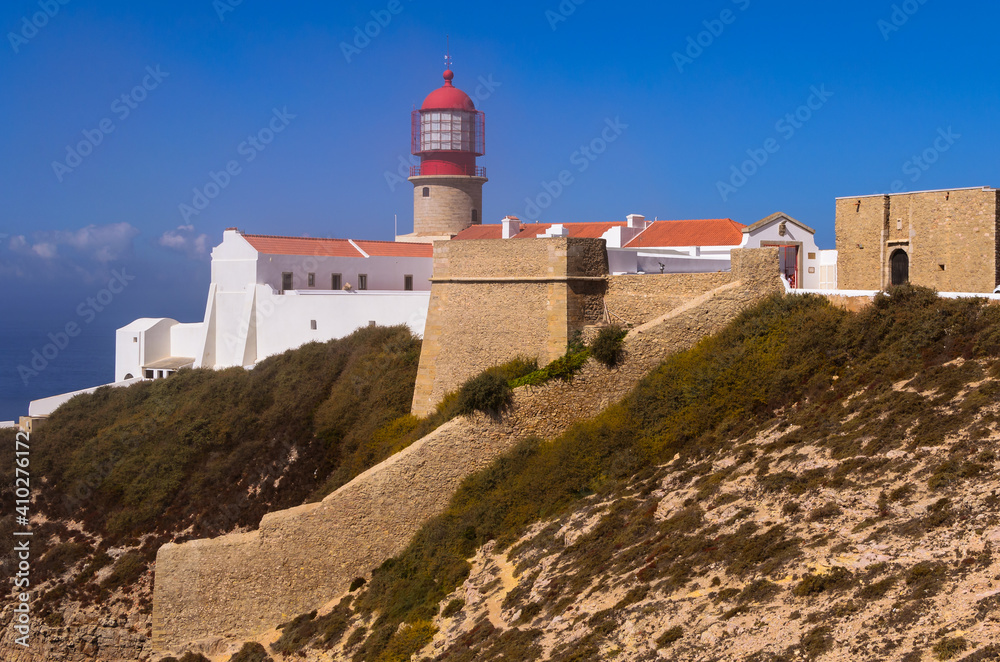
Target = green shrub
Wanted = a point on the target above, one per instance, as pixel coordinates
(126, 571)
(515, 368)
(356, 637)
(453, 608)
(357, 583)
(296, 635)
(562, 368)
(824, 512)
(817, 641)
(486, 392)
(949, 647)
(61, 558)
(251, 652)
(128, 462)
(837, 579)
(670, 636)
(607, 346)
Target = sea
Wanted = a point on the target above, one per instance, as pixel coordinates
(85, 361)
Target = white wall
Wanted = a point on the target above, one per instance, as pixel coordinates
(622, 261)
(680, 264)
(283, 322)
(186, 340)
(384, 273)
(46, 406)
(140, 343)
(828, 270)
(770, 234)
(234, 263)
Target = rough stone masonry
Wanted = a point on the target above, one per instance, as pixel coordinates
(242, 585)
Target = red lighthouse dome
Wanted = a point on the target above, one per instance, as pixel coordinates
(448, 97)
(448, 133)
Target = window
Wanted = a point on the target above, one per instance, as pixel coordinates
(312, 280)
(135, 338)
(286, 281)
(149, 374)
(335, 282)
(408, 283)
(312, 324)
(129, 376)
(362, 281)
(450, 130)
(475, 216)
(427, 192)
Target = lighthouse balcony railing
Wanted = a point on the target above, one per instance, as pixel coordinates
(470, 171)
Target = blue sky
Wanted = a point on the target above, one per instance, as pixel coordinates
(695, 89)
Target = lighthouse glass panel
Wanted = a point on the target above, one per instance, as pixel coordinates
(447, 131)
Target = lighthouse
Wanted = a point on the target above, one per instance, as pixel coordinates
(448, 134)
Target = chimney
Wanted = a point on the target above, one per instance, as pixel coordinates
(511, 226)
(636, 221)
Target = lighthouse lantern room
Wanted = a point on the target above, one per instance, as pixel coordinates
(448, 134)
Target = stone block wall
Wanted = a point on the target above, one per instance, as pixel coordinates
(493, 300)
(637, 299)
(448, 209)
(242, 585)
(950, 238)
(861, 226)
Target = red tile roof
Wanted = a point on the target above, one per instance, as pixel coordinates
(492, 231)
(535, 230)
(582, 230)
(301, 246)
(271, 245)
(707, 232)
(395, 249)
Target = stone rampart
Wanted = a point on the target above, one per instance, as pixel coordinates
(239, 586)
(493, 300)
(637, 299)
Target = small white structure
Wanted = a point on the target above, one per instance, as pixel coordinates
(271, 294)
(801, 262)
(45, 406)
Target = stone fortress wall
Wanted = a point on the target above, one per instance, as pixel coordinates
(495, 299)
(242, 585)
(950, 238)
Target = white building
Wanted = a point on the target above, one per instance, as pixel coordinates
(271, 294)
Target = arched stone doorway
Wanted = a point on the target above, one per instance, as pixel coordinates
(899, 267)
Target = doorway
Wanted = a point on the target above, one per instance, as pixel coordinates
(789, 265)
(899, 267)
